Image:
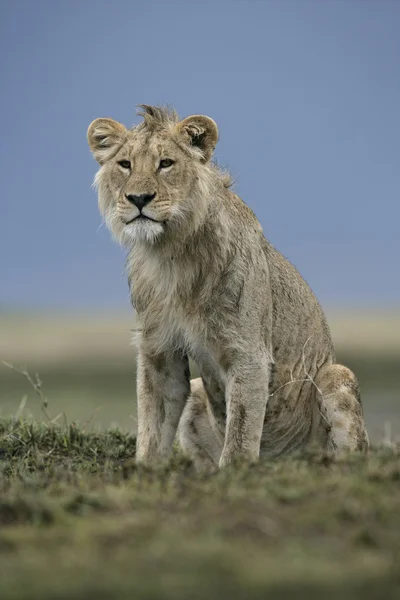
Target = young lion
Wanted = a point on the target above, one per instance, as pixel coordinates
(207, 285)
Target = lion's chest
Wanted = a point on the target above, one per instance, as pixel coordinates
(171, 326)
(174, 313)
(170, 306)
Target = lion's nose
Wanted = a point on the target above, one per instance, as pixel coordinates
(141, 200)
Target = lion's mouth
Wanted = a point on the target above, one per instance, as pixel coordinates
(141, 217)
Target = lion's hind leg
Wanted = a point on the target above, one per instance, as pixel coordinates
(340, 408)
(196, 436)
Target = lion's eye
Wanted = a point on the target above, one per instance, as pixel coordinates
(165, 163)
(125, 164)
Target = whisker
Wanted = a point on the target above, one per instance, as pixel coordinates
(101, 225)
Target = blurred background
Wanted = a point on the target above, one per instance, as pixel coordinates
(306, 94)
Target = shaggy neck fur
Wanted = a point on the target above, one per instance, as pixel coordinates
(176, 277)
(198, 237)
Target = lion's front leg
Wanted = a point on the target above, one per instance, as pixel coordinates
(162, 389)
(246, 400)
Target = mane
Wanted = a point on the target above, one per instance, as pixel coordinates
(223, 174)
(155, 117)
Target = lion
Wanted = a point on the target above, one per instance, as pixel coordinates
(207, 285)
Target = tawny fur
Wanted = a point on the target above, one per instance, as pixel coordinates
(208, 286)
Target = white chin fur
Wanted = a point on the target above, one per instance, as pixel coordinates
(142, 231)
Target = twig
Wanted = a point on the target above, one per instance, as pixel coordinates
(308, 378)
(35, 382)
(288, 383)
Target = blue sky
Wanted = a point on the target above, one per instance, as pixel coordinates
(306, 94)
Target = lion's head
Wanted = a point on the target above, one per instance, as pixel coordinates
(155, 178)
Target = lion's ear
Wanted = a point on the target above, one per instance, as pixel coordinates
(200, 132)
(105, 137)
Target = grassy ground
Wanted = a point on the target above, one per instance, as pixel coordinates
(78, 519)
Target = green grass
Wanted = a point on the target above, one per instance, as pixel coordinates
(79, 519)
